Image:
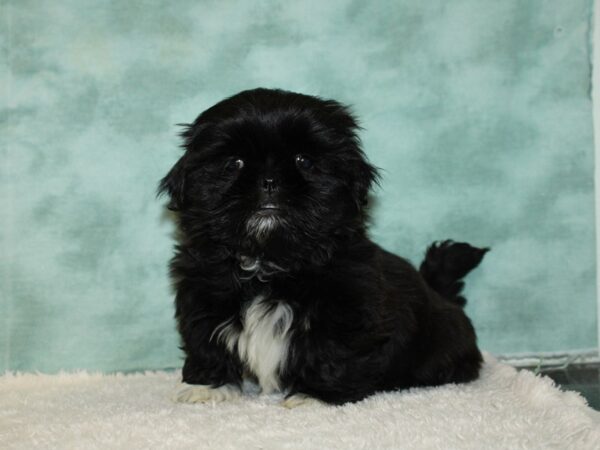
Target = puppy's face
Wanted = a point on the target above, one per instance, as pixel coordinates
(270, 168)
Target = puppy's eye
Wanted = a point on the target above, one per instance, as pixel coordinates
(303, 163)
(235, 164)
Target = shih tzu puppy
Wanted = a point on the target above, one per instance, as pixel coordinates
(275, 277)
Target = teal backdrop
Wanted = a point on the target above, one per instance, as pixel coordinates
(477, 111)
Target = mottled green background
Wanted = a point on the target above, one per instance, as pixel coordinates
(479, 113)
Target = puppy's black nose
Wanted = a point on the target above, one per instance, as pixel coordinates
(269, 185)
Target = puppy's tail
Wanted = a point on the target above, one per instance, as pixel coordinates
(446, 264)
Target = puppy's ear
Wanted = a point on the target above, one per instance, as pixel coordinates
(174, 185)
(364, 176)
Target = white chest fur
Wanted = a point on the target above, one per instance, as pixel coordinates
(263, 342)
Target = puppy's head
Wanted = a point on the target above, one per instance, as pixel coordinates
(270, 169)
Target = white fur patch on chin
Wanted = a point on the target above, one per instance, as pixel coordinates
(203, 393)
(261, 226)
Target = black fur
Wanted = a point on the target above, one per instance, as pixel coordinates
(364, 319)
(445, 265)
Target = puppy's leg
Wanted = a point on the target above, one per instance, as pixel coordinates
(295, 400)
(451, 355)
(201, 393)
(214, 377)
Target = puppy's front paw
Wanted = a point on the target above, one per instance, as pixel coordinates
(293, 401)
(202, 393)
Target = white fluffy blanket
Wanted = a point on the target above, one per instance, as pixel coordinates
(503, 409)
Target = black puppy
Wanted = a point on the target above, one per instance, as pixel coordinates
(275, 277)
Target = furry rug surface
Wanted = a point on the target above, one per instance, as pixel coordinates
(503, 409)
